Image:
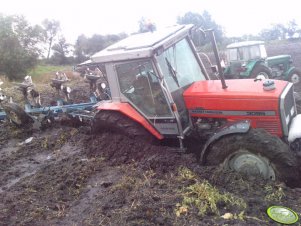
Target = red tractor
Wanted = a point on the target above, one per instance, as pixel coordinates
(160, 90)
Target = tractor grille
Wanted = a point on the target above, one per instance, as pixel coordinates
(287, 108)
(271, 127)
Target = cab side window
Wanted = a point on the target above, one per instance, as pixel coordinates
(140, 85)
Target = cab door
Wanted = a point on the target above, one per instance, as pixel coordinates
(180, 67)
(141, 86)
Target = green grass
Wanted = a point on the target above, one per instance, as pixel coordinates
(44, 72)
(203, 196)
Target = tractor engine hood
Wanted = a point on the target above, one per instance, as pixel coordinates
(243, 99)
(275, 60)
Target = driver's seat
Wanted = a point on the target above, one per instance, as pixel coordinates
(143, 92)
(142, 86)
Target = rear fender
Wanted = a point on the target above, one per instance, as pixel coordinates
(227, 70)
(229, 128)
(251, 66)
(130, 112)
(288, 72)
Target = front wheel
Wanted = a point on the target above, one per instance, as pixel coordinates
(261, 72)
(295, 77)
(255, 153)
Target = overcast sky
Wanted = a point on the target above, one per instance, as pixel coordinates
(90, 17)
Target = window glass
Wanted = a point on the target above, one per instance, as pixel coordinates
(254, 52)
(263, 51)
(179, 66)
(232, 54)
(139, 83)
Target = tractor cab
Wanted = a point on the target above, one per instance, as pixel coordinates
(247, 59)
(150, 71)
(245, 51)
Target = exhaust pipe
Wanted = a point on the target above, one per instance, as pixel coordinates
(219, 66)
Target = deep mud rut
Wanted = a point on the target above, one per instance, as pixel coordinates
(65, 176)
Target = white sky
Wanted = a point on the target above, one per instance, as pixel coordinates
(90, 17)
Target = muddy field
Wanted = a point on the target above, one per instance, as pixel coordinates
(65, 175)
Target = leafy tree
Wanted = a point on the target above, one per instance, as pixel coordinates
(298, 33)
(292, 28)
(95, 44)
(111, 39)
(276, 32)
(204, 21)
(280, 31)
(192, 18)
(86, 47)
(61, 50)
(80, 49)
(19, 46)
(51, 27)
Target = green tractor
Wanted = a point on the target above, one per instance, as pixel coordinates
(249, 60)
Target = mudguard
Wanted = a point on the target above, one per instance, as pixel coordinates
(229, 128)
(288, 72)
(250, 66)
(130, 112)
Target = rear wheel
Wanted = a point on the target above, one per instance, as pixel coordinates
(261, 72)
(255, 153)
(116, 122)
(17, 114)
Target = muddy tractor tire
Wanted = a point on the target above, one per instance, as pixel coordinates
(116, 122)
(261, 72)
(17, 115)
(256, 153)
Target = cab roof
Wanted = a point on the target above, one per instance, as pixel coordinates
(245, 43)
(141, 45)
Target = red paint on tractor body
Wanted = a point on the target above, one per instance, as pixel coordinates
(243, 99)
(130, 112)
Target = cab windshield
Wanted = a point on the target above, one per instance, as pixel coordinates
(179, 66)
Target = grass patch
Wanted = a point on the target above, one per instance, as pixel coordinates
(203, 196)
(44, 72)
(274, 193)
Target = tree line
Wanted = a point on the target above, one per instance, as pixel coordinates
(22, 45)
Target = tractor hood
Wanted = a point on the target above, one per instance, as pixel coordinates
(280, 59)
(272, 110)
(241, 95)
